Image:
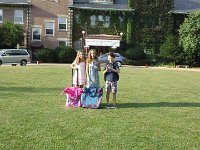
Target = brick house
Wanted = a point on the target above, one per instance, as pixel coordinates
(51, 24)
(18, 12)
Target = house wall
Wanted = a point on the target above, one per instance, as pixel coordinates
(8, 14)
(48, 10)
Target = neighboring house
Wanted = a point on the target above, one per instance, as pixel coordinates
(51, 24)
(99, 23)
(17, 11)
(181, 9)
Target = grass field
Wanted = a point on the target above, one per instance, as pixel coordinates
(157, 109)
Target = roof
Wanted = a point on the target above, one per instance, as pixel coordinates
(95, 6)
(14, 2)
(186, 6)
(103, 36)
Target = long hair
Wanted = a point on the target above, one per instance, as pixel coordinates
(89, 59)
(78, 59)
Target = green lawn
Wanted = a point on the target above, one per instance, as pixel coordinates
(157, 109)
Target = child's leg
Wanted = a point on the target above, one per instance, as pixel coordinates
(108, 89)
(107, 97)
(114, 98)
(114, 91)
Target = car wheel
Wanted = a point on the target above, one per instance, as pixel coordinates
(23, 63)
(119, 63)
(14, 64)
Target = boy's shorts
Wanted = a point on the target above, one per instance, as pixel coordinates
(111, 86)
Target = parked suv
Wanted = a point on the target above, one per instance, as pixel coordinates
(14, 57)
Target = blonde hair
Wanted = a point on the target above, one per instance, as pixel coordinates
(89, 59)
(78, 59)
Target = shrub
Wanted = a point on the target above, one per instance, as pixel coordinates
(170, 51)
(43, 54)
(66, 54)
(135, 53)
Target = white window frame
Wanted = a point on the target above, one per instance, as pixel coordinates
(21, 16)
(61, 17)
(1, 15)
(40, 33)
(53, 27)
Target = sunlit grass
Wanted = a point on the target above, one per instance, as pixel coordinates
(157, 109)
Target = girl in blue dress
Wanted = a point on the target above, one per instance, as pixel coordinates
(92, 69)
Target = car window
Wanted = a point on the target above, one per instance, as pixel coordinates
(104, 55)
(8, 53)
(19, 52)
(117, 55)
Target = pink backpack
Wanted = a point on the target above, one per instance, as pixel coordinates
(73, 95)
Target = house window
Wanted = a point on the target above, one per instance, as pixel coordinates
(62, 23)
(18, 16)
(107, 21)
(93, 20)
(49, 28)
(62, 43)
(36, 33)
(78, 18)
(1, 15)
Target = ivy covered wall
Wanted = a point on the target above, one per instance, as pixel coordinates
(151, 23)
(145, 27)
(98, 22)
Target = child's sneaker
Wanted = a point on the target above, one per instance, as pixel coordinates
(114, 106)
(108, 107)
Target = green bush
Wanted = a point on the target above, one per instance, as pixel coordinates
(61, 54)
(170, 51)
(43, 54)
(135, 53)
(66, 54)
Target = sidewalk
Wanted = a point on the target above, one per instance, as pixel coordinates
(165, 68)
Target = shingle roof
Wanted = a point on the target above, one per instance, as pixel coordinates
(14, 2)
(95, 6)
(186, 6)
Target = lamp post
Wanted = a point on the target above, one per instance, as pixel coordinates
(121, 34)
(86, 47)
(114, 48)
(83, 39)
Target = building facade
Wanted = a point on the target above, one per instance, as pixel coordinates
(50, 23)
(17, 12)
(99, 24)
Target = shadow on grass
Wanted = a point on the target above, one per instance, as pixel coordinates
(158, 104)
(30, 89)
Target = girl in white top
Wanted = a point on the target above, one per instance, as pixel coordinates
(80, 64)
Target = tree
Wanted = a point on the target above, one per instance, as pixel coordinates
(11, 35)
(189, 38)
(170, 51)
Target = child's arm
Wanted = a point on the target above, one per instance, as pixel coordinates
(99, 66)
(87, 69)
(73, 65)
(114, 70)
